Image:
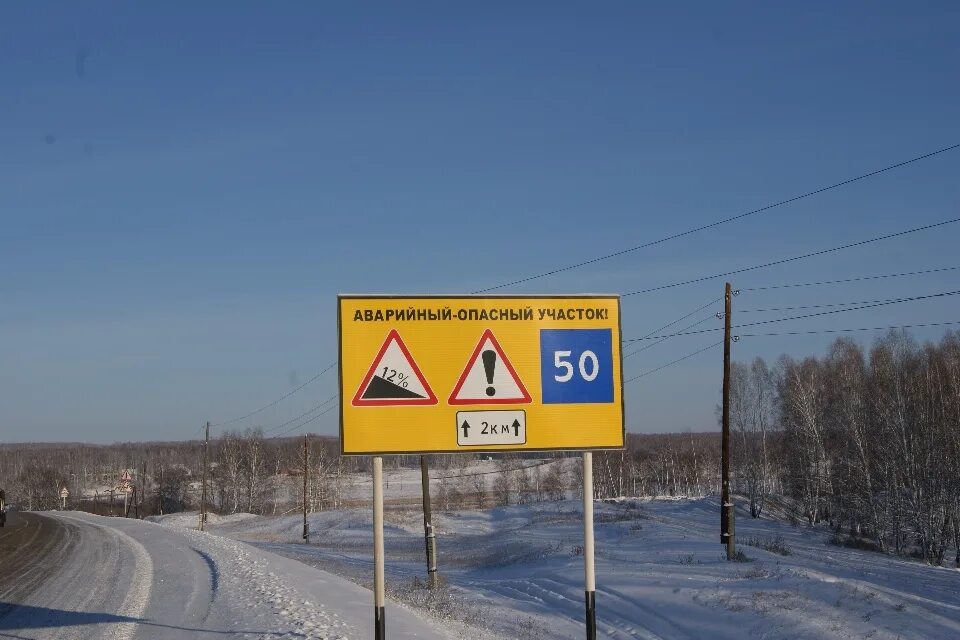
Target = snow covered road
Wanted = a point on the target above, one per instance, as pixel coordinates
(75, 576)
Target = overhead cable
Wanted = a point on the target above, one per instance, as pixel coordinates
(795, 258)
(670, 364)
(845, 280)
(275, 402)
(804, 316)
(815, 331)
(722, 221)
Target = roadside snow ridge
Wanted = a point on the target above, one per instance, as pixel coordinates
(246, 577)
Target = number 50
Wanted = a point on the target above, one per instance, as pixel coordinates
(560, 363)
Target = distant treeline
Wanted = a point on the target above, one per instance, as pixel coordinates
(867, 440)
(253, 474)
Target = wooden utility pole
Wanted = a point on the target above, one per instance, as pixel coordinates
(203, 489)
(726, 506)
(160, 491)
(306, 473)
(429, 536)
(143, 490)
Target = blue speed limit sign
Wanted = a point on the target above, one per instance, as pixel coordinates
(576, 365)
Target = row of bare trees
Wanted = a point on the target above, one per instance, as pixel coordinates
(865, 439)
(247, 473)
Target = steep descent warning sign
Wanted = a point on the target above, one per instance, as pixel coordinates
(489, 378)
(394, 379)
(445, 374)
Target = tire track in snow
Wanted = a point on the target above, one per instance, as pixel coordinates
(137, 598)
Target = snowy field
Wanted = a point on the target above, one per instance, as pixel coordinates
(517, 572)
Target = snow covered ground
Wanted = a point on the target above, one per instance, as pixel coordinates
(517, 572)
(120, 579)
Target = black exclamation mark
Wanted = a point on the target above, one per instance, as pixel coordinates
(489, 362)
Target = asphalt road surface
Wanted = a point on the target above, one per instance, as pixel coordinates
(27, 537)
(71, 578)
(59, 579)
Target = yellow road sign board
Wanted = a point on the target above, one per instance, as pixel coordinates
(451, 374)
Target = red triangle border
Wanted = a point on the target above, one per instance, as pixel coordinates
(526, 399)
(358, 400)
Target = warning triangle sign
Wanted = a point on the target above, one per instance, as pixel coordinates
(489, 378)
(394, 379)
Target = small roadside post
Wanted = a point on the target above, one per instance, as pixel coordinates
(64, 494)
(478, 374)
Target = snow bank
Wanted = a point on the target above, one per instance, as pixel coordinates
(660, 572)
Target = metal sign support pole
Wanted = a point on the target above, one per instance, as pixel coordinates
(379, 621)
(590, 581)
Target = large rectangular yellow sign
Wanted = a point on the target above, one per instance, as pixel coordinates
(479, 373)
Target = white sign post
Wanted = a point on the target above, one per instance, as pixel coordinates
(64, 494)
(380, 627)
(590, 584)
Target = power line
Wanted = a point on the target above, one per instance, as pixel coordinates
(794, 258)
(807, 315)
(720, 222)
(665, 338)
(804, 333)
(275, 402)
(684, 317)
(822, 306)
(670, 364)
(670, 324)
(303, 424)
(302, 415)
(860, 279)
(680, 235)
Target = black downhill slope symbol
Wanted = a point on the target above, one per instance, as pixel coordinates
(380, 389)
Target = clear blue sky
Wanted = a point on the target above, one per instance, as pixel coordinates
(185, 187)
